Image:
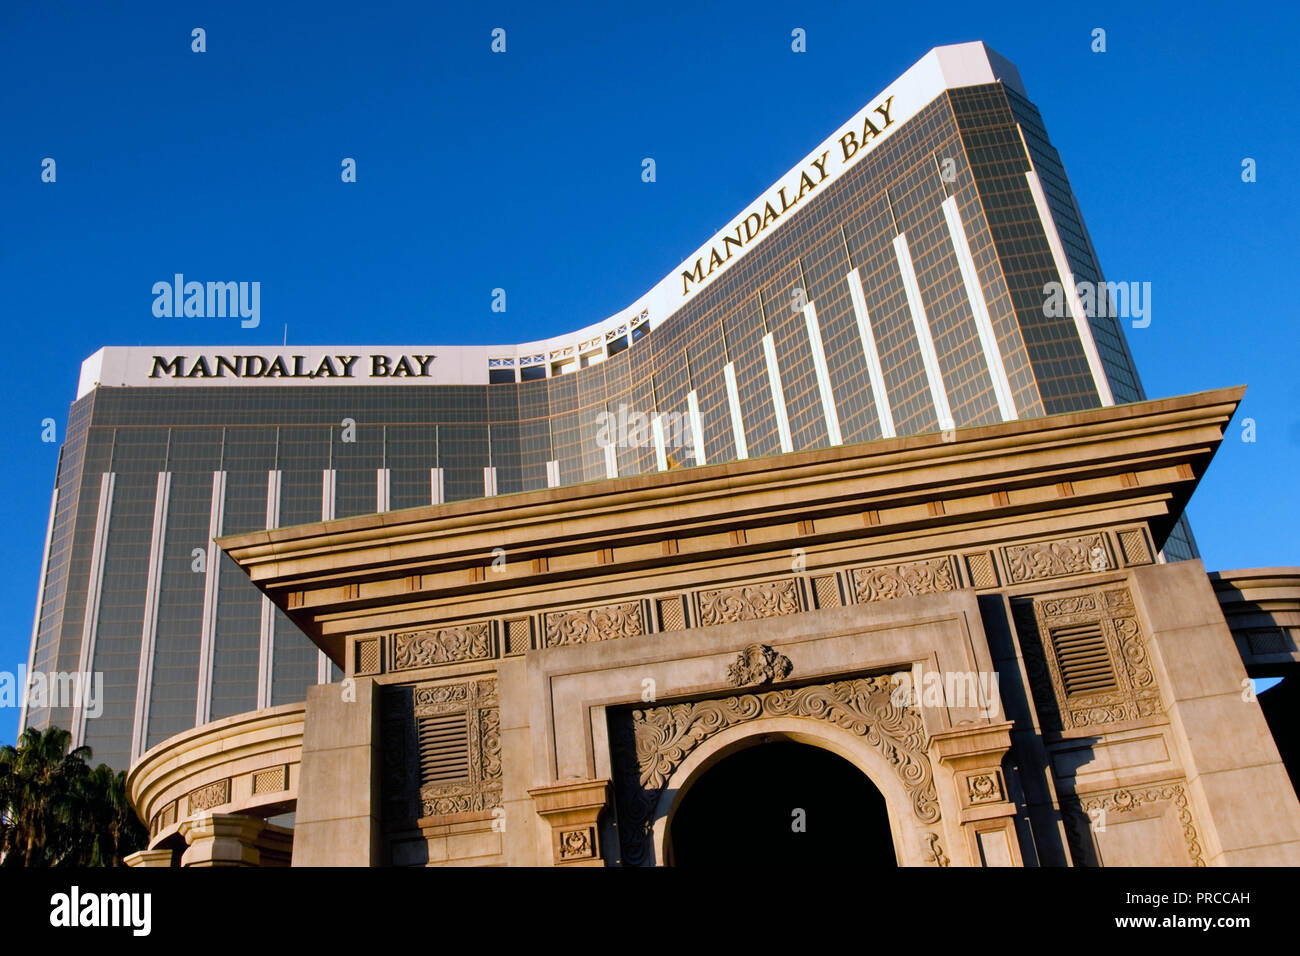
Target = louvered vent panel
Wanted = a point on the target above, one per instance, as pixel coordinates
(1084, 661)
(444, 748)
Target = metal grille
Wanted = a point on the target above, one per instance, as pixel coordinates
(1083, 659)
(444, 748)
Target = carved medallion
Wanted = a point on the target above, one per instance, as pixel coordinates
(758, 664)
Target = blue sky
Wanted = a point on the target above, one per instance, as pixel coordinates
(522, 171)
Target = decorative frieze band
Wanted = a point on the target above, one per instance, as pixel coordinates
(748, 602)
(450, 645)
(1050, 559)
(886, 581)
(586, 625)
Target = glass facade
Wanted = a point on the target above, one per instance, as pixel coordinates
(186, 622)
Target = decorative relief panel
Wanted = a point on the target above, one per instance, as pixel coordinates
(888, 581)
(608, 623)
(441, 750)
(207, 797)
(748, 602)
(1087, 660)
(648, 745)
(1050, 559)
(1110, 807)
(448, 645)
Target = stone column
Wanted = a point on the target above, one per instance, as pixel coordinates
(987, 816)
(572, 808)
(162, 857)
(222, 839)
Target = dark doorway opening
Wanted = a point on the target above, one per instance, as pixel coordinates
(781, 802)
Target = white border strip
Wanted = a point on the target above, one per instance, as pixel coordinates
(980, 309)
(733, 404)
(697, 429)
(149, 629)
(823, 375)
(778, 394)
(266, 628)
(90, 624)
(1067, 282)
(876, 374)
(40, 606)
(208, 635)
(921, 322)
(435, 486)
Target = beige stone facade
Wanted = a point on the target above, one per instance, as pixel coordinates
(983, 627)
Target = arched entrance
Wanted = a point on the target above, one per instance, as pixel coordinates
(780, 801)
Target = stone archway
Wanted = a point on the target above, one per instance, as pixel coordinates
(658, 751)
(773, 800)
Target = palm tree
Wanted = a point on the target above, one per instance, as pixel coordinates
(56, 811)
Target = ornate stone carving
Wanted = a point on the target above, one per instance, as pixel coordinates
(749, 602)
(576, 844)
(1098, 806)
(209, 796)
(1049, 559)
(608, 623)
(984, 788)
(407, 795)
(758, 664)
(1135, 694)
(934, 854)
(889, 581)
(650, 744)
(450, 645)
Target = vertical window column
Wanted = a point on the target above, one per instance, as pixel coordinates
(1072, 293)
(875, 373)
(40, 605)
(266, 629)
(983, 324)
(778, 394)
(149, 630)
(921, 323)
(733, 405)
(207, 639)
(823, 375)
(94, 587)
(329, 479)
(697, 428)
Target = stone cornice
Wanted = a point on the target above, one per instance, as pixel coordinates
(1146, 455)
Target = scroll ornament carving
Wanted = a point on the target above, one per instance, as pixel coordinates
(758, 664)
(750, 602)
(1127, 799)
(903, 580)
(471, 642)
(1047, 559)
(584, 626)
(933, 851)
(653, 743)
